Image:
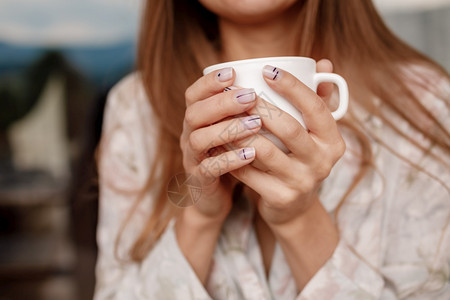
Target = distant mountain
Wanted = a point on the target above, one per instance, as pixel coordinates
(102, 65)
(14, 57)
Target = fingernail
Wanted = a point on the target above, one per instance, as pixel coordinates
(229, 88)
(271, 72)
(225, 74)
(246, 153)
(245, 96)
(252, 122)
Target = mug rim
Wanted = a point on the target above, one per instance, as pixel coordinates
(218, 66)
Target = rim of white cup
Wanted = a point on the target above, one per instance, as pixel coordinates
(254, 60)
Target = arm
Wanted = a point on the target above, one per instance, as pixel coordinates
(178, 265)
(207, 128)
(197, 237)
(308, 241)
(324, 267)
(288, 190)
(125, 158)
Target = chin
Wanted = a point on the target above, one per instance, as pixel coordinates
(247, 11)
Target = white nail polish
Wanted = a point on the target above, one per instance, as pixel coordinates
(229, 88)
(271, 72)
(225, 74)
(247, 153)
(245, 96)
(252, 122)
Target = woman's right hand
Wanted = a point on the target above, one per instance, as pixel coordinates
(208, 125)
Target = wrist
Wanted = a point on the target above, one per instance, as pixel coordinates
(314, 223)
(197, 237)
(308, 241)
(192, 220)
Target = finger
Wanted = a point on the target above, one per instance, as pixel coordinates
(317, 116)
(217, 107)
(293, 135)
(209, 84)
(269, 157)
(213, 167)
(205, 138)
(257, 180)
(325, 89)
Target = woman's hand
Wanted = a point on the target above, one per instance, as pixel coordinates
(289, 185)
(208, 125)
(288, 190)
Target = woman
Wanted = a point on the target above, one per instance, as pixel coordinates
(357, 210)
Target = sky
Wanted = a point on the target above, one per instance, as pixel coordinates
(100, 22)
(68, 22)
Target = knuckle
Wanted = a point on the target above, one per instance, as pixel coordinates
(266, 152)
(323, 170)
(278, 202)
(307, 185)
(182, 143)
(341, 147)
(195, 141)
(293, 130)
(286, 197)
(283, 199)
(189, 95)
(190, 116)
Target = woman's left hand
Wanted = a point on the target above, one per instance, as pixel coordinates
(289, 186)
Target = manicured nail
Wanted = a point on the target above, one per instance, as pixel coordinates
(252, 122)
(272, 73)
(225, 74)
(245, 96)
(229, 88)
(246, 153)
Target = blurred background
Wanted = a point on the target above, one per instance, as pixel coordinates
(58, 60)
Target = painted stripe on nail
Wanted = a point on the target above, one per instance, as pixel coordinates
(242, 95)
(253, 119)
(274, 69)
(247, 153)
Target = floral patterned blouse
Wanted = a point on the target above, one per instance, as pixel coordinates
(395, 239)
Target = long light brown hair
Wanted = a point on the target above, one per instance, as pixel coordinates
(178, 39)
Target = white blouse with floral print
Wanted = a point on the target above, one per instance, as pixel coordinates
(395, 239)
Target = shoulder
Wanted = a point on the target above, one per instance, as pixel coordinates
(421, 162)
(431, 87)
(128, 105)
(128, 135)
(426, 76)
(131, 84)
(127, 95)
(126, 154)
(414, 112)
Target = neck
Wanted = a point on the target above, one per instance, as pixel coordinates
(274, 37)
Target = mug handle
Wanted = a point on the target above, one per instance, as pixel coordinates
(342, 87)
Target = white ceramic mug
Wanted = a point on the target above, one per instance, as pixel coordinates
(249, 75)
